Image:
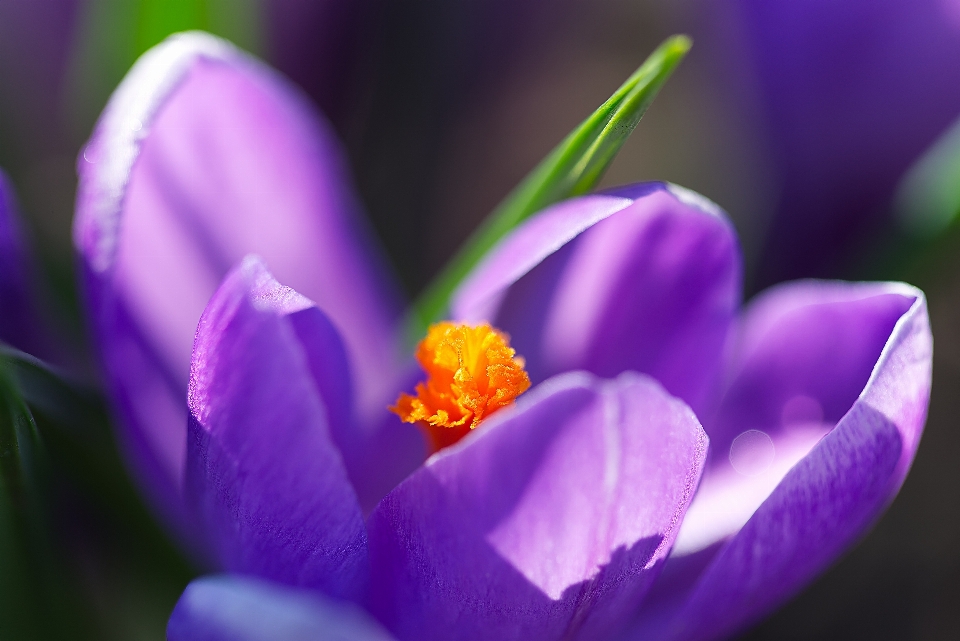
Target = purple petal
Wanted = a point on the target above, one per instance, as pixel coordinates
(550, 521)
(804, 354)
(24, 323)
(384, 453)
(202, 156)
(18, 318)
(481, 294)
(850, 94)
(269, 483)
(235, 608)
(806, 348)
(644, 278)
(378, 453)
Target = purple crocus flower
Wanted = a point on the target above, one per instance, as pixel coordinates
(679, 467)
(166, 205)
(850, 93)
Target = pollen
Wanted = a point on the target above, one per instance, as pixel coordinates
(471, 373)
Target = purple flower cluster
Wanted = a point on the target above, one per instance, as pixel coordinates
(680, 466)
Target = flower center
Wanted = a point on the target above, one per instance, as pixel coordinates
(471, 373)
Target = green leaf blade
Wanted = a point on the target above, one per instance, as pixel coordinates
(927, 203)
(22, 527)
(573, 168)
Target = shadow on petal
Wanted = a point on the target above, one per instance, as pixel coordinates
(551, 521)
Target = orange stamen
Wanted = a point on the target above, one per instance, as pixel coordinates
(471, 373)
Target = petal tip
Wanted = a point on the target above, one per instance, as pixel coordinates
(105, 162)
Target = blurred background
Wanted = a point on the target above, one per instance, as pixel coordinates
(827, 129)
